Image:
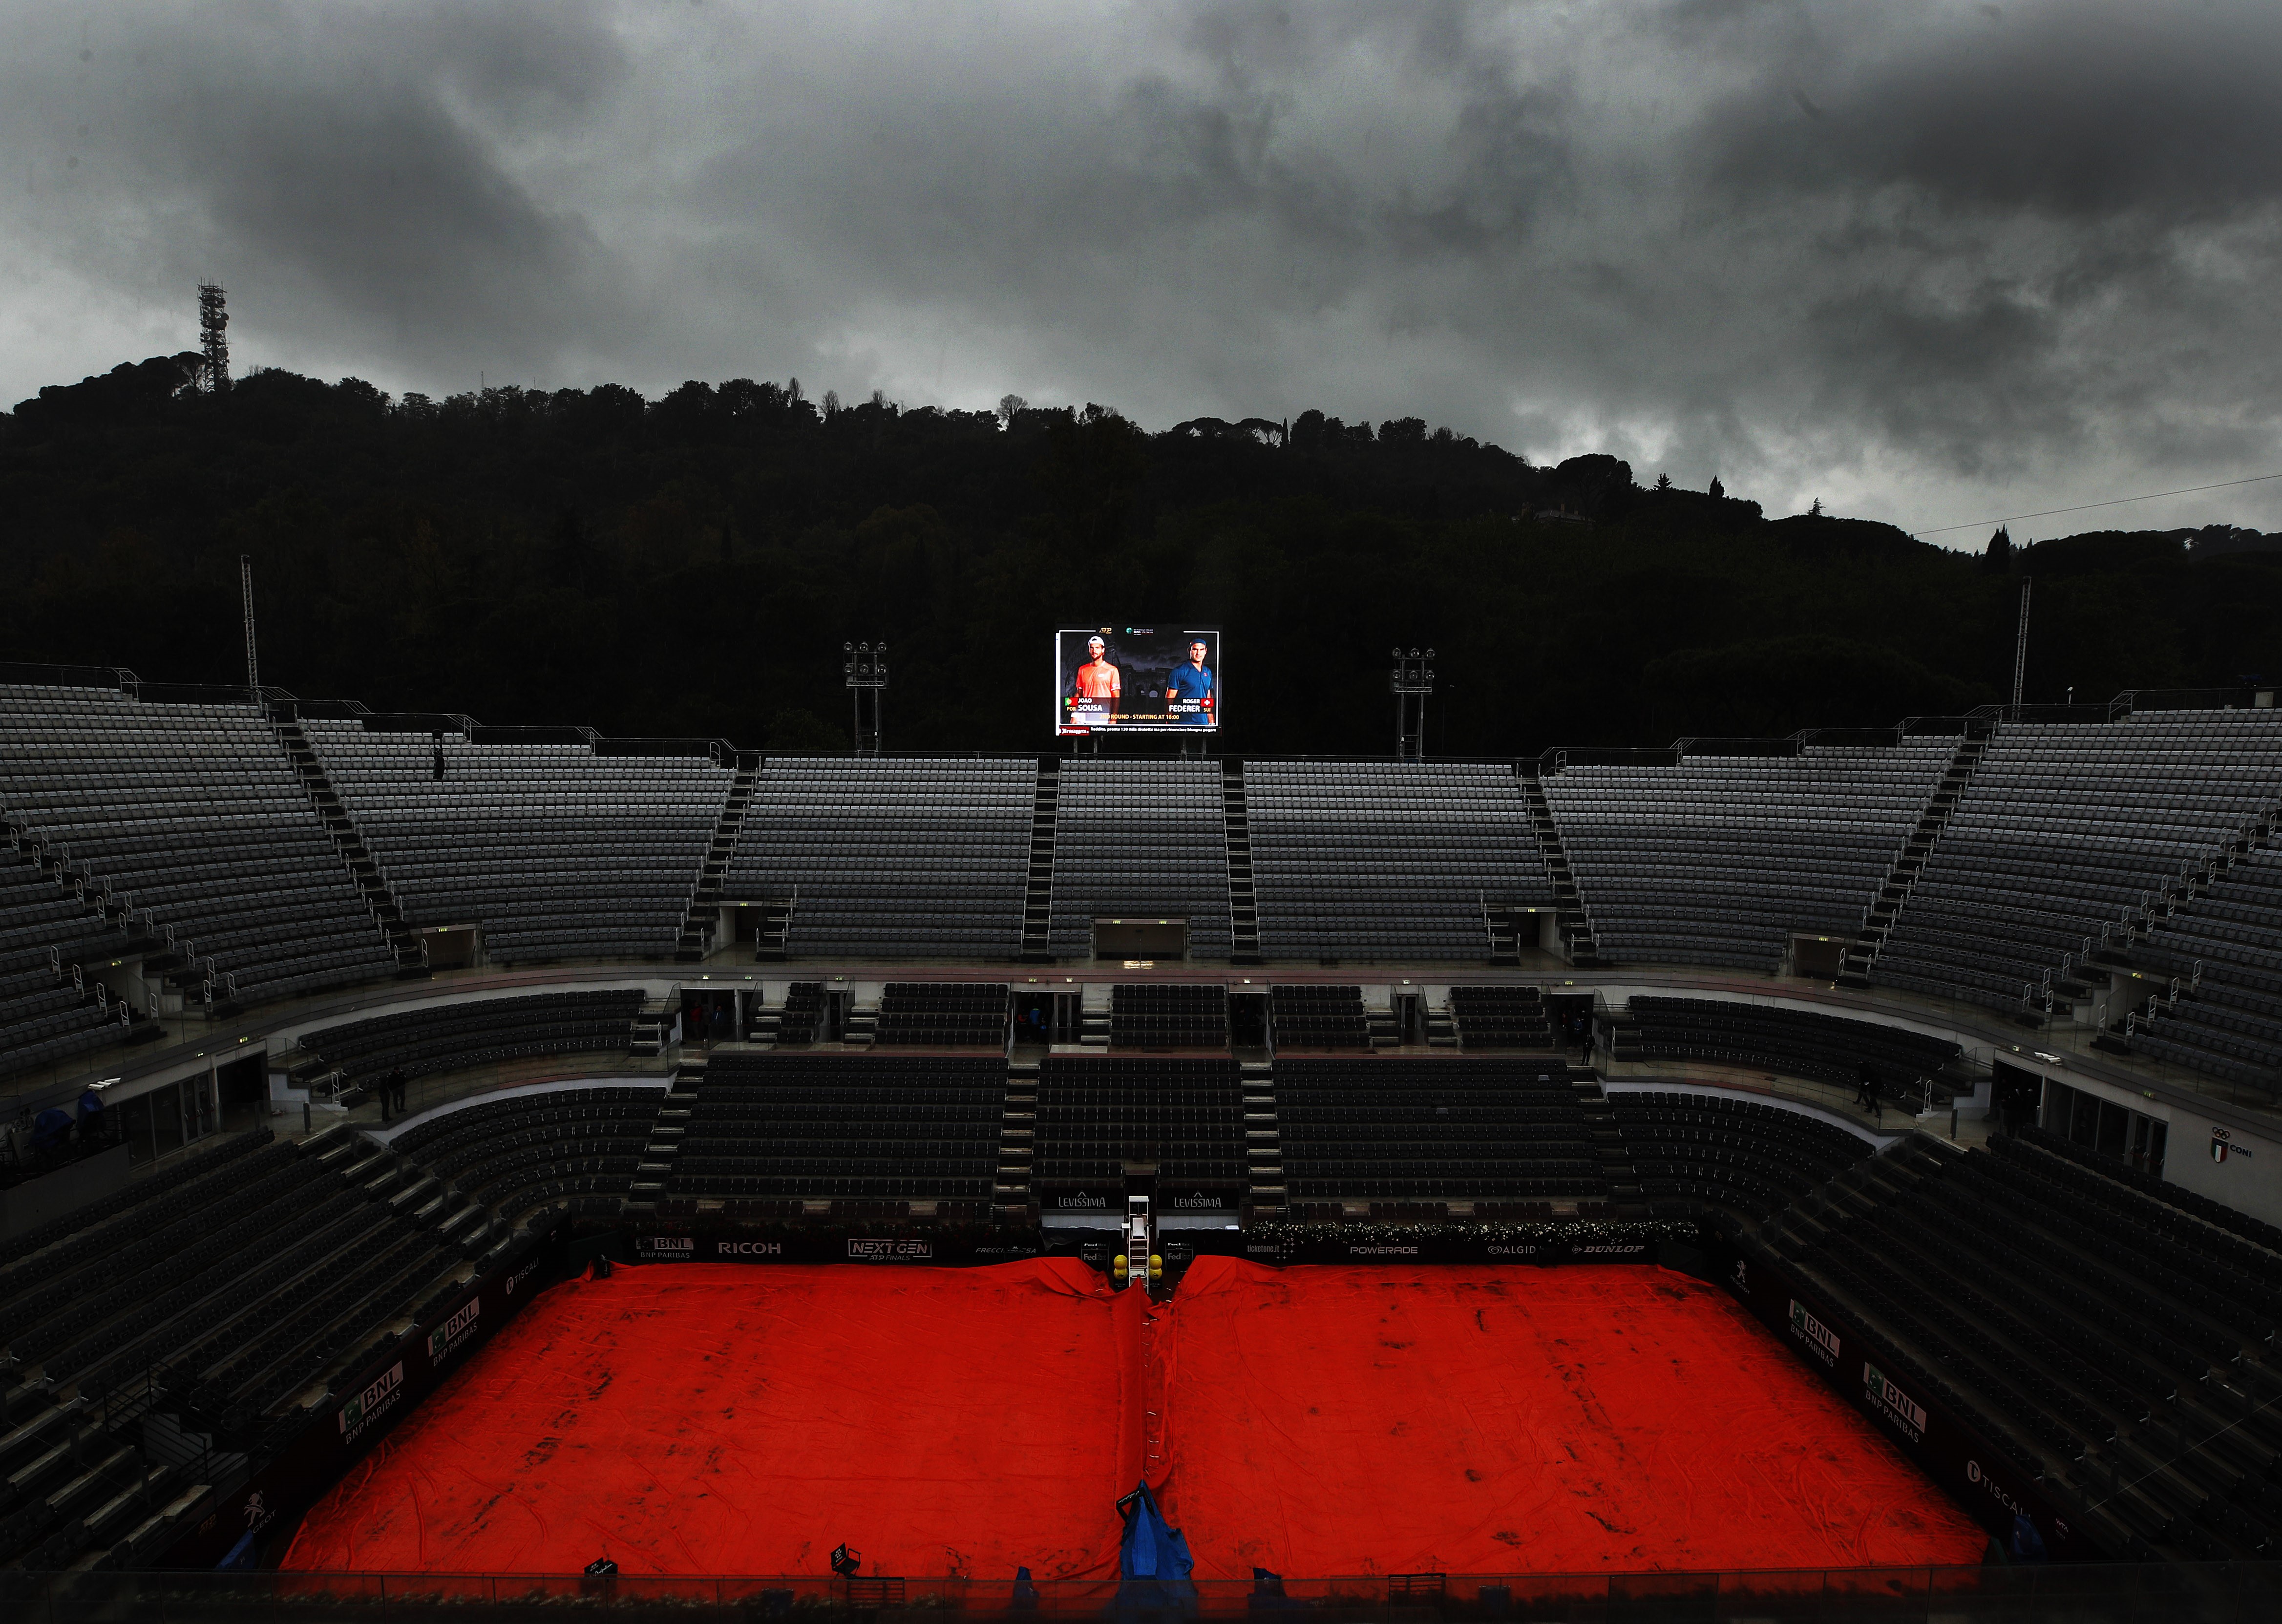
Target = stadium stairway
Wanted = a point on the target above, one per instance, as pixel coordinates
(1038, 884)
(1018, 1134)
(348, 840)
(703, 915)
(2113, 1344)
(655, 1170)
(1574, 921)
(1911, 863)
(1243, 899)
(1264, 1143)
(1625, 1196)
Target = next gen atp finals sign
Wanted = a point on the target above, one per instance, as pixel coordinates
(1137, 678)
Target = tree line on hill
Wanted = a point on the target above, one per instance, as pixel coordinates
(693, 565)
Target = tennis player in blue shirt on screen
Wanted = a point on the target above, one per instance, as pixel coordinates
(1193, 681)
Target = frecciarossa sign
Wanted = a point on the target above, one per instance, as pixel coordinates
(1952, 1453)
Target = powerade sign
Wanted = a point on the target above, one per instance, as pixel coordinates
(379, 1398)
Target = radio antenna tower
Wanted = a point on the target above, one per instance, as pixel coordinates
(252, 664)
(2021, 647)
(214, 318)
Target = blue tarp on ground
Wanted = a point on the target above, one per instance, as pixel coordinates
(1152, 1560)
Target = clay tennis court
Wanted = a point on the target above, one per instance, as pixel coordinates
(732, 1419)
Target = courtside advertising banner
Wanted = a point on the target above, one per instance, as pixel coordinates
(362, 1407)
(1137, 678)
(1953, 1454)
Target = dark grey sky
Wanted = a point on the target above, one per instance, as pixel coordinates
(1928, 262)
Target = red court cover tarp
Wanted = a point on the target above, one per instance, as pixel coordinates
(1481, 1420)
(726, 1418)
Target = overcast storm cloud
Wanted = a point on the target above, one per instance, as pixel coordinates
(1927, 263)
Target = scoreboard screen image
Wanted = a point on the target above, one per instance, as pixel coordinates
(1130, 678)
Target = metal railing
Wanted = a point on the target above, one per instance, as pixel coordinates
(2086, 1593)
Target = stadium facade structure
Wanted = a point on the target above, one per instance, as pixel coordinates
(671, 992)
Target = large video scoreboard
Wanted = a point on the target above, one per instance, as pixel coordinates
(1128, 678)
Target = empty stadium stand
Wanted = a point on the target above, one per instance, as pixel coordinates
(2220, 959)
(1153, 1015)
(579, 1147)
(869, 1134)
(188, 824)
(454, 1037)
(1794, 1041)
(1140, 837)
(1310, 1017)
(942, 1013)
(2094, 1336)
(556, 850)
(1095, 1113)
(1690, 1149)
(1502, 1017)
(795, 1024)
(1721, 859)
(1508, 1135)
(2069, 837)
(48, 1011)
(912, 858)
(162, 1335)
(1388, 860)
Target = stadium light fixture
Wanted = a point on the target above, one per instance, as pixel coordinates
(866, 667)
(1412, 680)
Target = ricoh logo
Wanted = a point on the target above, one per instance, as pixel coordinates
(752, 1249)
(890, 1251)
(1814, 1332)
(447, 1336)
(1898, 1406)
(371, 1403)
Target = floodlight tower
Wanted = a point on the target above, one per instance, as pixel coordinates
(214, 319)
(1412, 679)
(866, 667)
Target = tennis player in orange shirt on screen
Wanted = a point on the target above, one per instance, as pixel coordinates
(1097, 679)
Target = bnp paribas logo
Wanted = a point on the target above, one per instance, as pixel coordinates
(1903, 1410)
(1812, 1332)
(363, 1406)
